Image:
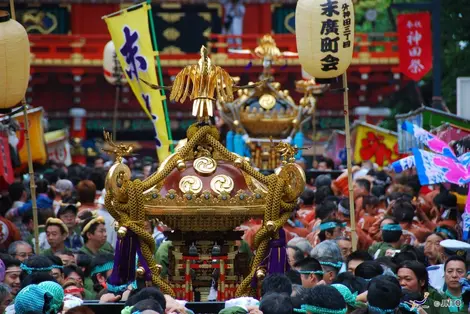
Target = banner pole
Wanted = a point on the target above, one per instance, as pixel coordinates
(349, 162)
(32, 183)
(160, 76)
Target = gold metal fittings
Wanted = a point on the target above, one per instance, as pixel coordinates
(222, 184)
(116, 181)
(190, 184)
(267, 101)
(205, 166)
(294, 176)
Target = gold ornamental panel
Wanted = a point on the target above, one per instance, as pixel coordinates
(190, 184)
(205, 166)
(222, 184)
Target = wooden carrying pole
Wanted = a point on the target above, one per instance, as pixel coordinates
(349, 162)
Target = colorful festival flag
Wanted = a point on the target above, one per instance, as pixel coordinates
(58, 147)
(376, 144)
(131, 34)
(439, 166)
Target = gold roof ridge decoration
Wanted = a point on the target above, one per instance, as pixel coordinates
(203, 186)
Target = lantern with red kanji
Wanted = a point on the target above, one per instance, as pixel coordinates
(14, 62)
(325, 36)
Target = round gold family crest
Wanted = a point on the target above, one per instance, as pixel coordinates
(205, 166)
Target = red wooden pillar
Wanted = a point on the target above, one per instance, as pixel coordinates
(257, 19)
(86, 17)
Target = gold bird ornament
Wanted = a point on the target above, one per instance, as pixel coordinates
(204, 83)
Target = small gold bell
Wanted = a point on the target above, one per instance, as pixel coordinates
(238, 162)
(260, 273)
(122, 231)
(181, 165)
(140, 272)
(270, 226)
(116, 226)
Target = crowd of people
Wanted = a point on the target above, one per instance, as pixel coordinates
(409, 257)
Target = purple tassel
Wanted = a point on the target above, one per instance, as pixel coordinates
(249, 65)
(277, 262)
(124, 260)
(143, 263)
(276, 259)
(284, 66)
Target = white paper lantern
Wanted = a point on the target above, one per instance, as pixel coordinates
(14, 62)
(325, 36)
(111, 64)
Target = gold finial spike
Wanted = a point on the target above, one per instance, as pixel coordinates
(120, 150)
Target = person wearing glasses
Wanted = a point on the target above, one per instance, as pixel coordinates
(20, 250)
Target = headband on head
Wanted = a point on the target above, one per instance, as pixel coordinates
(392, 227)
(348, 296)
(102, 268)
(57, 222)
(308, 272)
(319, 310)
(343, 210)
(331, 225)
(118, 289)
(337, 265)
(379, 310)
(30, 270)
(73, 290)
(95, 220)
(444, 231)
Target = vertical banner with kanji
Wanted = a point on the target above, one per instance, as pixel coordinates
(415, 44)
(130, 32)
(375, 144)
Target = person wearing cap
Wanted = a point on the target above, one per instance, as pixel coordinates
(436, 272)
(68, 215)
(94, 236)
(57, 293)
(33, 299)
(56, 233)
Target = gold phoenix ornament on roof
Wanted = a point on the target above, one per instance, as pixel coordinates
(204, 83)
(120, 150)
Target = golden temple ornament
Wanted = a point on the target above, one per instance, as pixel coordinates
(204, 83)
(190, 184)
(205, 166)
(222, 184)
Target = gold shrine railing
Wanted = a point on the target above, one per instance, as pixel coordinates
(87, 50)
